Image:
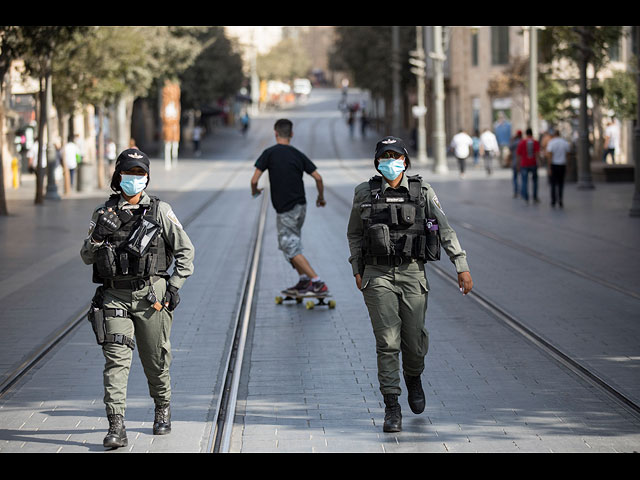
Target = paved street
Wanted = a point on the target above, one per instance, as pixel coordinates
(309, 376)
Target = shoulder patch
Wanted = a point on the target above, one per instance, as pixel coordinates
(172, 217)
(437, 202)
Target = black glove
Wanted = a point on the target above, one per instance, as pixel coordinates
(106, 224)
(171, 298)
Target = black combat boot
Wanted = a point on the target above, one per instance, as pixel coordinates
(162, 420)
(117, 435)
(415, 393)
(392, 414)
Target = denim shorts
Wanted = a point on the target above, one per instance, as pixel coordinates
(289, 227)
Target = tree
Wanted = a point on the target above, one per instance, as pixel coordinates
(286, 61)
(215, 73)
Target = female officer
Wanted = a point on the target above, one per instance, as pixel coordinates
(132, 240)
(396, 225)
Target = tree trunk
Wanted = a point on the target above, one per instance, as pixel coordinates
(100, 161)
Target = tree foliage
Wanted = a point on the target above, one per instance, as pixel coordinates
(366, 53)
(216, 72)
(286, 61)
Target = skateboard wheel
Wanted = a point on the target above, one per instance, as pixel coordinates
(278, 300)
(310, 305)
(332, 304)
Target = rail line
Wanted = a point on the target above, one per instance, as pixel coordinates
(518, 325)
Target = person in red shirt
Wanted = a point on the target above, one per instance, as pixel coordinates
(528, 151)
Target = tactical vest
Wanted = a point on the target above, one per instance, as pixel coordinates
(120, 255)
(395, 224)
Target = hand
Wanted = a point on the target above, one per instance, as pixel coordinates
(465, 282)
(171, 298)
(256, 192)
(320, 202)
(358, 281)
(107, 224)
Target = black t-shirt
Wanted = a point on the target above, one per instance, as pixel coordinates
(286, 165)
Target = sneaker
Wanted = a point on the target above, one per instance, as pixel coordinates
(299, 287)
(315, 288)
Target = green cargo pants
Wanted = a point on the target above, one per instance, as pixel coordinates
(396, 298)
(151, 329)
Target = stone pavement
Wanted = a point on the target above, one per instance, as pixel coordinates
(309, 380)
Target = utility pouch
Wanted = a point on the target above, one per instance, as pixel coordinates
(106, 261)
(142, 236)
(96, 316)
(379, 240)
(407, 214)
(432, 247)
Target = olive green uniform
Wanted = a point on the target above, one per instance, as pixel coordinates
(396, 296)
(151, 328)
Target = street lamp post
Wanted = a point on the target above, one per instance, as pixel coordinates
(418, 61)
(438, 58)
(635, 203)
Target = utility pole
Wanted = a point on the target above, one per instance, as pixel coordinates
(438, 58)
(418, 61)
(395, 78)
(533, 80)
(635, 203)
(52, 188)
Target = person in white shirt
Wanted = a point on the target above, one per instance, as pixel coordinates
(489, 148)
(461, 145)
(70, 158)
(556, 153)
(611, 141)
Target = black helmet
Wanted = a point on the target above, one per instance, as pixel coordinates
(129, 158)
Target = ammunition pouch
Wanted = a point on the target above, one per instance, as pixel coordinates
(96, 316)
(379, 240)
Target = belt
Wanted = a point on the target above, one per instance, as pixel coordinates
(133, 284)
(390, 260)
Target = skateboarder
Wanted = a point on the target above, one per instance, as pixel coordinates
(286, 165)
(396, 226)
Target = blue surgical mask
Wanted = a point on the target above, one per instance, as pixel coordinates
(133, 184)
(391, 168)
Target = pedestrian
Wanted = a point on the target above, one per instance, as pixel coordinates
(396, 226)
(111, 151)
(489, 148)
(515, 161)
(364, 121)
(528, 150)
(71, 153)
(286, 165)
(611, 141)
(476, 146)
(132, 240)
(556, 153)
(461, 145)
(351, 121)
(245, 122)
(197, 136)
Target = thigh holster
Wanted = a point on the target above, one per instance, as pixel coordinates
(97, 315)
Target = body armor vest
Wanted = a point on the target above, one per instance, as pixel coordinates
(136, 249)
(395, 223)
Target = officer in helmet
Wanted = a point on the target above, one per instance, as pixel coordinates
(133, 239)
(396, 226)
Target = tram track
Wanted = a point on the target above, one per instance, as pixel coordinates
(585, 373)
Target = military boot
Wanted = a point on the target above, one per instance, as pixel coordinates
(162, 420)
(415, 393)
(392, 414)
(117, 435)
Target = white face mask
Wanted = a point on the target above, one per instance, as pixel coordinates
(133, 184)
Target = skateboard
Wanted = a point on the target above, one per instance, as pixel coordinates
(310, 304)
